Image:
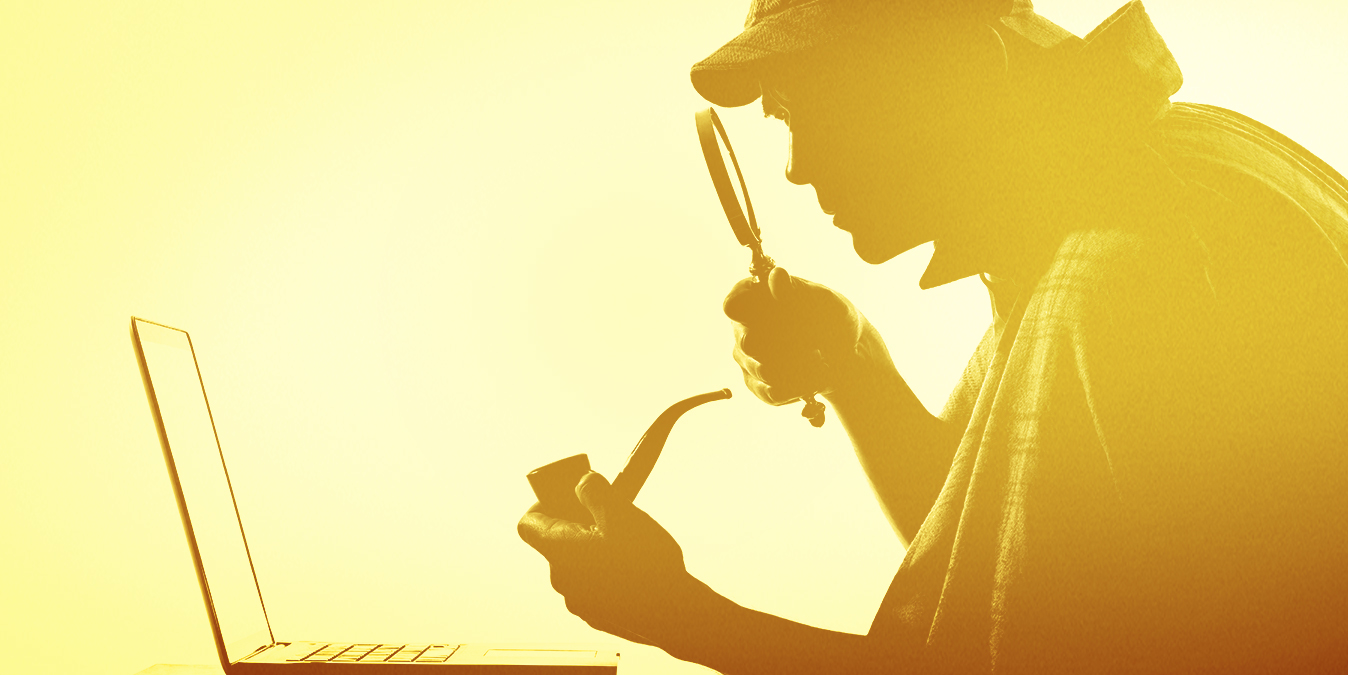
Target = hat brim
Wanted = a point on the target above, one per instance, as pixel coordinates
(730, 76)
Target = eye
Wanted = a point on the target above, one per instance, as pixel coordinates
(772, 107)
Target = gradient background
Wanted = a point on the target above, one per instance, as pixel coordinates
(422, 249)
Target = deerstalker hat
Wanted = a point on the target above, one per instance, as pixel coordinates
(776, 28)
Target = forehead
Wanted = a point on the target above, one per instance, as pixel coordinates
(809, 82)
(896, 52)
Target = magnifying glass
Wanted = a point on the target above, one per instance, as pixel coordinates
(740, 212)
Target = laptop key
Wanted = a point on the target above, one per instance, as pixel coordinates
(381, 652)
(437, 654)
(355, 653)
(302, 652)
(406, 654)
(327, 652)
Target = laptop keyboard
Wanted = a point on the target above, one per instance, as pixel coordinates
(368, 653)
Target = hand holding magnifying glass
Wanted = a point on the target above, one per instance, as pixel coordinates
(712, 136)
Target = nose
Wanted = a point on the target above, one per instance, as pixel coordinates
(797, 163)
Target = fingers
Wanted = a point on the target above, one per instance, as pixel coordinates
(777, 370)
(545, 533)
(750, 302)
(805, 298)
(549, 535)
(785, 301)
(533, 526)
(790, 386)
(767, 393)
(779, 363)
(791, 335)
(743, 304)
(596, 494)
(620, 574)
(768, 340)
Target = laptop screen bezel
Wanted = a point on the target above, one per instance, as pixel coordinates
(220, 646)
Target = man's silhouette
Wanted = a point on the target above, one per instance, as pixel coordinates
(1143, 467)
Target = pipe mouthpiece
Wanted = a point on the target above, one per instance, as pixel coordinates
(642, 460)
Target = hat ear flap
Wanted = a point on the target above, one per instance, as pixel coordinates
(991, 50)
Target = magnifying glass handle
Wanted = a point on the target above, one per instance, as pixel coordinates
(761, 267)
(711, 137)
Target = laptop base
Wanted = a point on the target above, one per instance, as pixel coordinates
(469, 659)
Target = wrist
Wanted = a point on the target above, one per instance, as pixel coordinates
(863, 372)
(695, 621)
(872, 401)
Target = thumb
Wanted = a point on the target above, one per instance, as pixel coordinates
(782, 286)
(796, 294)
(595, 493)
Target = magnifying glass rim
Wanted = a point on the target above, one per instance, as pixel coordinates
(707, 120)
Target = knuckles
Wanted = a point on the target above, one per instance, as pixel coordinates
(745, 300)
(777, 395)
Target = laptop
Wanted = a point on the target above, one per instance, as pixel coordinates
(215, 537)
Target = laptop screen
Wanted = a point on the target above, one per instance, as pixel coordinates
(208, 502)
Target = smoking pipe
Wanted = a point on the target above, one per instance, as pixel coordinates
(555, 484)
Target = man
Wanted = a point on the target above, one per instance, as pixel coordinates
(1143, 467)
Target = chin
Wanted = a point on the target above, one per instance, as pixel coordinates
(871, 254)
(877, 247)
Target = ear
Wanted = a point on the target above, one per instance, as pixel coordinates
(987, 55)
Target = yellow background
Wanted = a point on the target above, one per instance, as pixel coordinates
(423, 248)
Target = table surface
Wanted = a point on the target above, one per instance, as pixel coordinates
(176, 669)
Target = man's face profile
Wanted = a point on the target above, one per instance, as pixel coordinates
(891, 133)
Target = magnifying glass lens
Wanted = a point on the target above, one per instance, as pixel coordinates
(732, 192)
(736, 184)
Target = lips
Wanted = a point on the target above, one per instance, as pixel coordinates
(828, 201)
(834, 203)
